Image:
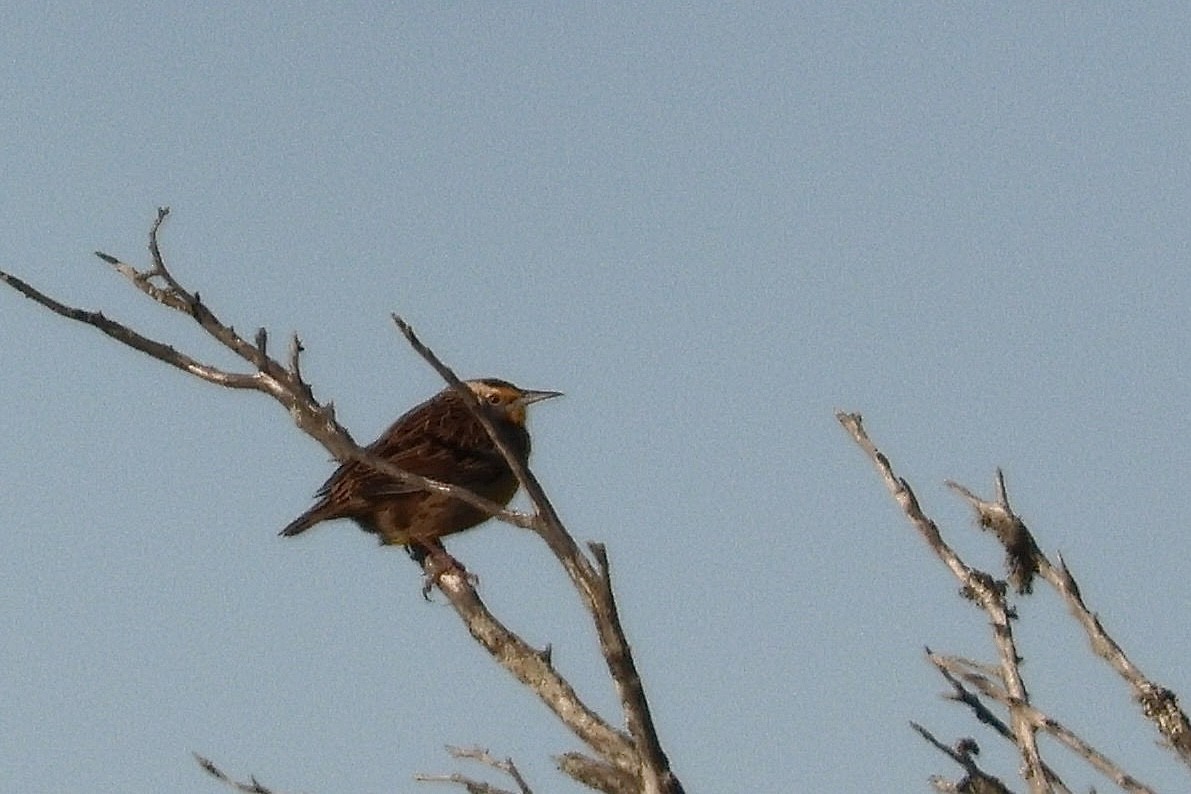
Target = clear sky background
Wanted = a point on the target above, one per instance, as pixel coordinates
(711, 228)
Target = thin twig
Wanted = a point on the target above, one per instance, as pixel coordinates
(470, 785)
(977, 780)
(480, 755)
(252, 786)
(954, 668)
(127, 336)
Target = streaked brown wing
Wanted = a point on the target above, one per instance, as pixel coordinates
(439, 439)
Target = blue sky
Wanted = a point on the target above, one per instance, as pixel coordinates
(711, 227)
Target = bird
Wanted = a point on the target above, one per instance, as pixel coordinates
(440, 439)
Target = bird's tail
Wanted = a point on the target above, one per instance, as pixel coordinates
(304, 521)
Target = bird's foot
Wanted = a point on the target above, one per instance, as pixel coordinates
(436, 563)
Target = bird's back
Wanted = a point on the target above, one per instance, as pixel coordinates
(439, 439)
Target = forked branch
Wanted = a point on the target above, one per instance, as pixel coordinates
(633, 761)
(1024, 560)
(474, 786)
(1003, 684)
(977, 585)
(593, 582)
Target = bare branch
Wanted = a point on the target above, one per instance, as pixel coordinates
(976, 780)
(505, 765)
(634, 756)
(253, 786)
(962, 694)
(981, 587)
(295, 368)
(954, 669)
(628, 683)
(596, 774)
(535, 671)
(496, 638)
(593, 585)
(473, 786)
(174, 296)
(1158, 704)
(127, 336)
(470, 785)
(1025, 561)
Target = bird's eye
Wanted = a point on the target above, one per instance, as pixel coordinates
(493, 399)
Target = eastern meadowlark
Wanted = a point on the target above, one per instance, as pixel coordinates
(442, 440)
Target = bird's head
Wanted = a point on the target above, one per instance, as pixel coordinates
(507, 400)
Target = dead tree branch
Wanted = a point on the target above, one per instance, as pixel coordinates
(1158, 703)
(252, 786)
(958, 672)
(976, 781)
(1003, 684)
(473, 786)
(978, 586)
(635, 758)
(594, 584)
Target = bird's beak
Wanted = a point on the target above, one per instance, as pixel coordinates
(530, 396)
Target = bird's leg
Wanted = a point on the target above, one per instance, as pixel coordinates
(436, 562)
